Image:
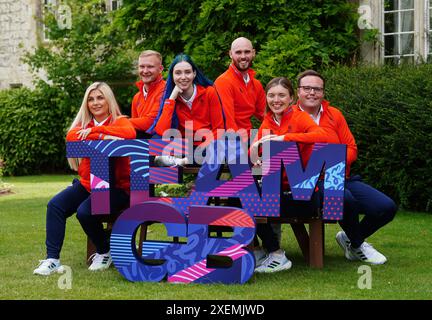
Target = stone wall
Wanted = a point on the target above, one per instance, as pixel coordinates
(18, 34)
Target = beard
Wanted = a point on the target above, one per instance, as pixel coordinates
(243, 65)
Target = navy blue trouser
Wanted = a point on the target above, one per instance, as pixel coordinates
(361, 198)
(76, 198)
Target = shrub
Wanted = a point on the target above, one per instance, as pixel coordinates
(77, 56)
(32, 131)
(389, 112)
(206, 29)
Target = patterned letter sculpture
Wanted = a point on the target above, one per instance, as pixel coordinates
(191, 217)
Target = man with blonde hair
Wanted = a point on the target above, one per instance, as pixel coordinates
(145, 104)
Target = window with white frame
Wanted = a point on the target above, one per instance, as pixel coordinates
(47, 6)
(113, 5)
(399, 31)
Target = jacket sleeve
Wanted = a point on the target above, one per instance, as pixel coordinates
(72, 135)
(121, 128)
(309, 131)
(346, 137)
(165, 120)
(216, 117)
(134, 107)
(226, 95)
(260, 103)
(263, 130)
(144, 122)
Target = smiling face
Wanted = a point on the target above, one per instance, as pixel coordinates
(183, 76)
(311, 100)
(97, 105)
(278, 99)
(242, 54)
(149, 68)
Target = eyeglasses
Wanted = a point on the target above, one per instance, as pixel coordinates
(308, 89)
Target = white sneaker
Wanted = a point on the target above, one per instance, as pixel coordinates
(366, 253)
(260, 255)
(276, 261)
(48, 267)
(100, 261)
(169, 161)
(345, 243)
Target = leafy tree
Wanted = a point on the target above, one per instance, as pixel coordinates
(84, 53)
(288, 35)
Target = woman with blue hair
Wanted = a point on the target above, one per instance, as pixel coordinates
(188, 96)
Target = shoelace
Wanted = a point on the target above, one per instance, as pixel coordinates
(367, 245)
(43, 261)
(266, 262)
(366, 250)
(46, 263)
(97, 258)
(269, 260)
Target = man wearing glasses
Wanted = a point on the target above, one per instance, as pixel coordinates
(378, 209)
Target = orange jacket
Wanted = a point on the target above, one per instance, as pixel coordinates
(206, 112)
(120, 128)
(240, 101)
(337, 130)
(145, 110)
(297, 127)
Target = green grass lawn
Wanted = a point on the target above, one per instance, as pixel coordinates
(406, 242)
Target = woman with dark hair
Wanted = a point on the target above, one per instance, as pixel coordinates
(188, 96)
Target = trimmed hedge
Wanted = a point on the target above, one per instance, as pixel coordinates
(32, 131)
(389, 110)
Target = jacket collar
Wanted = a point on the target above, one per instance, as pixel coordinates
(234, 69)
(269, 114)
(325, 105)
(200, 90)
(92, 122)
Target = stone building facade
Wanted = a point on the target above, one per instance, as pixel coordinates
(19, 32)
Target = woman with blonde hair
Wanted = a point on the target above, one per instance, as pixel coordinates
(99, 118)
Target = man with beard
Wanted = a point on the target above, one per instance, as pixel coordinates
(241, 94)
(145, 104)
(242, 97)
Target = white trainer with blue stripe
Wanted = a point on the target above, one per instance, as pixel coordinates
(100, 261)
(48, 267)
